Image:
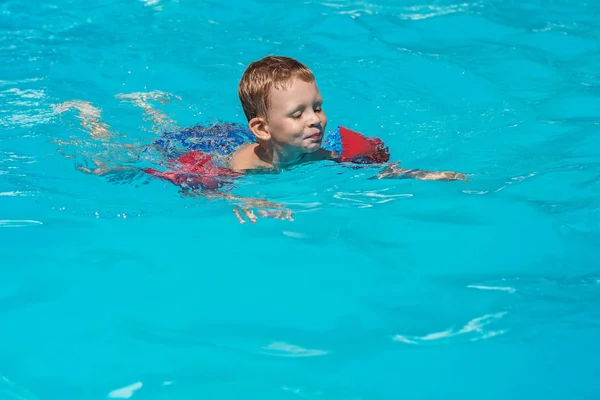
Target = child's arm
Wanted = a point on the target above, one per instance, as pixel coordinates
(396, 172)
(193, 185)
(357, 148)
(89, 116)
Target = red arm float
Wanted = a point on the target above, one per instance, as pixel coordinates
(359, 148)
(194, 169)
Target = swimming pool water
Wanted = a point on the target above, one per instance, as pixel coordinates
(379, 289)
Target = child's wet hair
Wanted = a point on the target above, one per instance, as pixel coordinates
(271, 72)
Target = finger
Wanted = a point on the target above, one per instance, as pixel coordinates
(280, 215)
(249, 214)
(288, 215)
(454, 176)
(264, 213)
(269, 214)
(85, 170)
(236, 211)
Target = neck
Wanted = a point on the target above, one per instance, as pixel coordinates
(279, 157)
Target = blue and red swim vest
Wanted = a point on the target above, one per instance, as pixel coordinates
(191, 152)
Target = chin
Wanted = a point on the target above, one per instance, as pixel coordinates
(312, 148)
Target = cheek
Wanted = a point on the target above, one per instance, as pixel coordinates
(297, 126)
(290, 130)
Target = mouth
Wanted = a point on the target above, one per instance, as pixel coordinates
(315, 136)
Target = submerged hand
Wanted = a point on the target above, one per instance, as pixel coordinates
(395, 171)
(265, 210)
(249, 214)
(115, 174)
(444, 176)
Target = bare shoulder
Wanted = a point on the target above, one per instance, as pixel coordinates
(245, 158)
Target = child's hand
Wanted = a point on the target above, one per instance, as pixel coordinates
(444, 176)
(265, 210)
(249, 214)
(115, 174)
(395, 171)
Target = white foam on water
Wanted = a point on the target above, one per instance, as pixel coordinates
(430, 11)
(12, 194)
(296, 235)
(489, 335)
(479, 192)
(501, 288)
(476, 325)
(18, 223)
(368, 198)
(126, 392)
(437, 335)
(404, 339)
(283, 349)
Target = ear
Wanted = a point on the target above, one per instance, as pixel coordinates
(258, 126)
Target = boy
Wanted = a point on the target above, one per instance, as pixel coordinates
(284, 109)
(283, 106)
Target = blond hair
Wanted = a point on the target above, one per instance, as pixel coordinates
(264, 75)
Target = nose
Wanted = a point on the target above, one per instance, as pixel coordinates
(313, 119)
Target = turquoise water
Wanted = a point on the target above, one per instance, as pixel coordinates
(120, 287)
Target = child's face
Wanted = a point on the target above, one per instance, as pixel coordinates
(295, 119)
